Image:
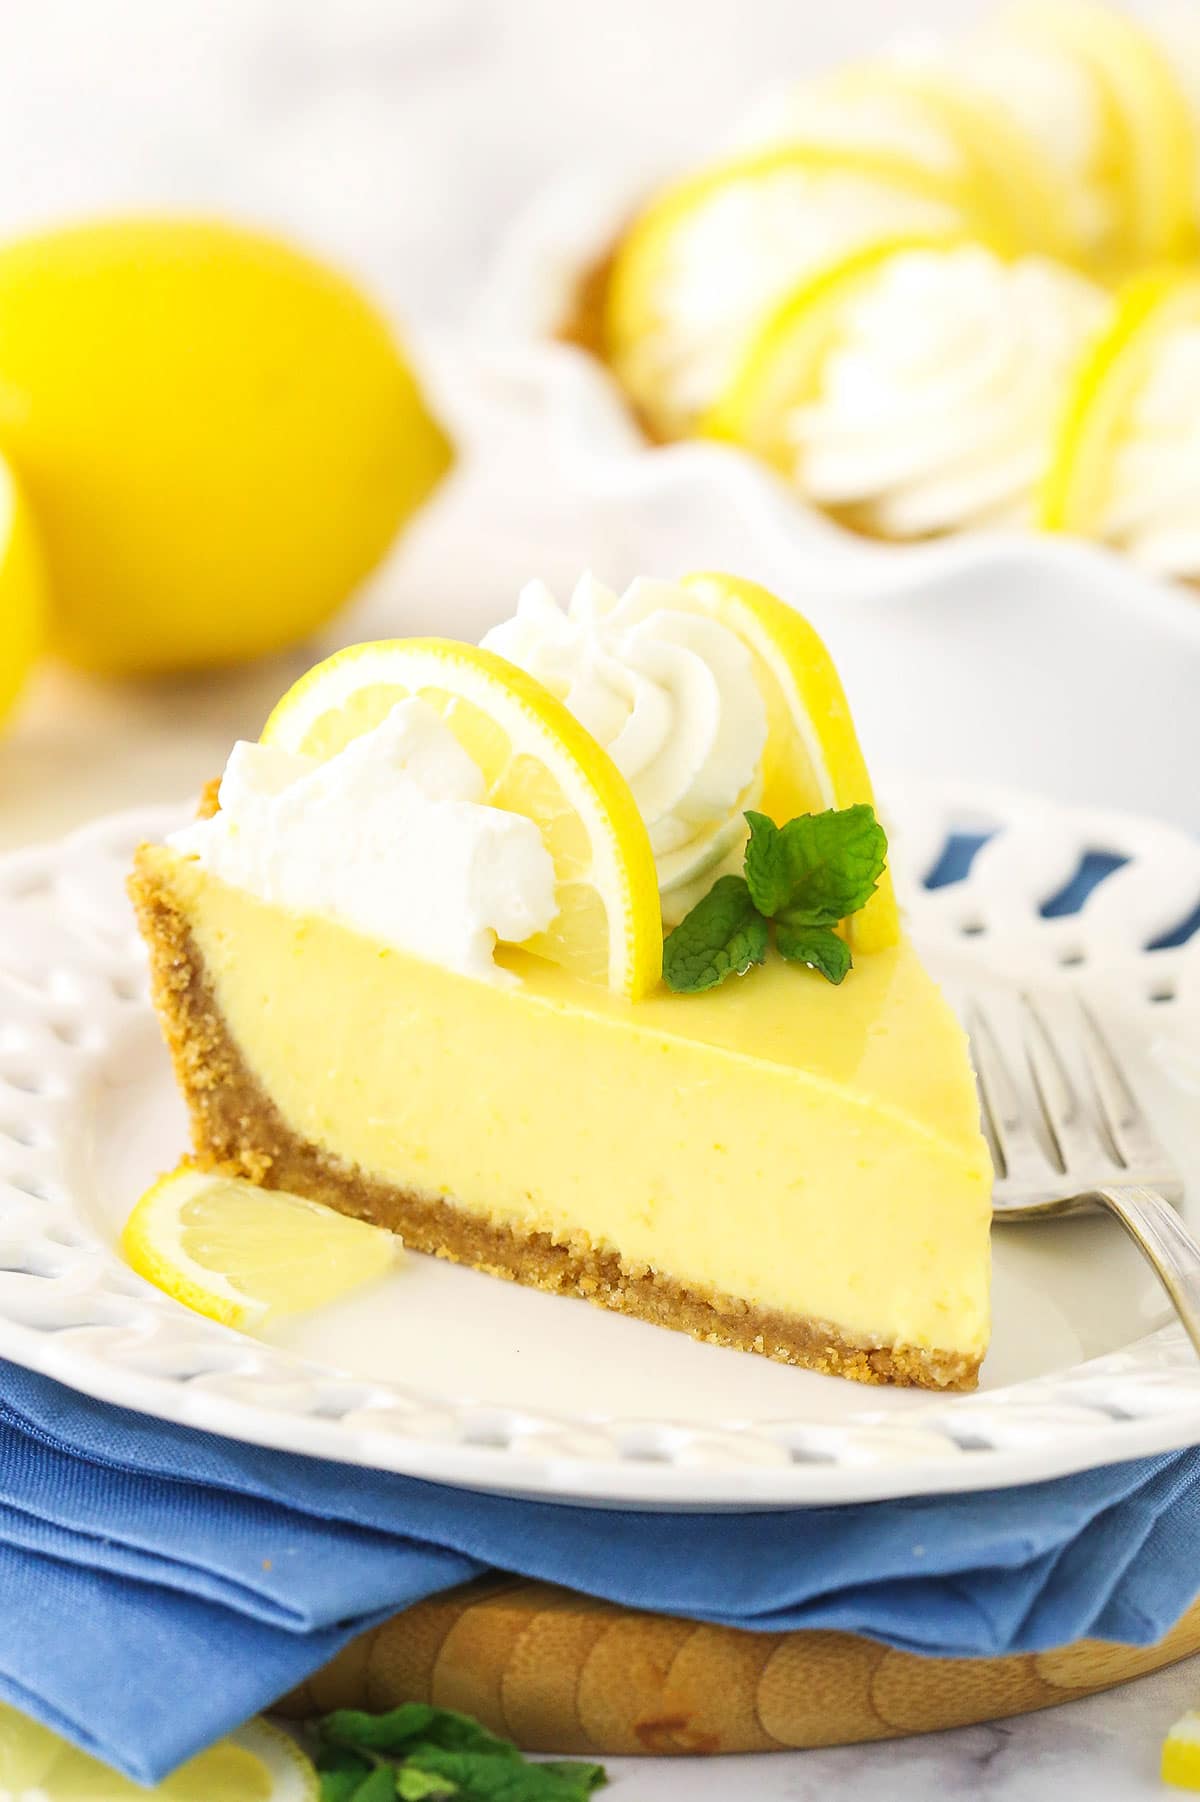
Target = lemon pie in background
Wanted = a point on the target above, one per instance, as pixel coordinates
(902, 284)
(410, 964)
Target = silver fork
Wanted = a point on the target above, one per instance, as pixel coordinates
(1064, 1145)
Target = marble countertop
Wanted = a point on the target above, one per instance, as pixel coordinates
(400, 136)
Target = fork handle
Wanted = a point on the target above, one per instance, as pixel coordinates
(1160, 1234)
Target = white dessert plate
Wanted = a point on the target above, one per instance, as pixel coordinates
(456, 1377)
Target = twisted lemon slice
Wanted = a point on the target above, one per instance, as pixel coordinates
(1005, 185)
(1098, 407)
(1151, 154)
(536, 760)
(813, 759)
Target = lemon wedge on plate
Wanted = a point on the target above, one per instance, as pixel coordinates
(767, 219)
(1102, 396)
(245, 1255)
(813, 759)
(536, 760)
(1150, 157)
(781, 364)
(23, 599)
(259, 1763)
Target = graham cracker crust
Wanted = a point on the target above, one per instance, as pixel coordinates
(237, 1129)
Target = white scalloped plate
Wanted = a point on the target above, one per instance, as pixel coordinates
(452, 1376)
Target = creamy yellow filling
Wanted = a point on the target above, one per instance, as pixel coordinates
(808, 1149)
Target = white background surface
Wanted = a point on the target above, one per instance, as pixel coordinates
(401, 136)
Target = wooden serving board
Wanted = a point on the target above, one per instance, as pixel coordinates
(560, 1672)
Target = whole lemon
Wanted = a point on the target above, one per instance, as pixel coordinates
(22, 591)
(219, 437)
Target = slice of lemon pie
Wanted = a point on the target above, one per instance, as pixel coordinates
(412, 965)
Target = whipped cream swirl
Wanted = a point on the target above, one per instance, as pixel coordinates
(937, 407)
(1153, 508)
(390, 837)
(743, 250)
(673, 698)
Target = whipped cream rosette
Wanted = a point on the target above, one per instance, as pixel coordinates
(672, 697)
(936, 406)
(404, 797)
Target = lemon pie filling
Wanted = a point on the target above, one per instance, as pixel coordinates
(791, 1151)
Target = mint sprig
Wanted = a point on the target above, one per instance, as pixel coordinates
(419, 1753)
(817, 946)
(806, 877)
(724, 935)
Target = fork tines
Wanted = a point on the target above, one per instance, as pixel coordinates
(1074, 1124)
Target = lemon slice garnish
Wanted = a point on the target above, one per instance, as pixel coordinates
(813, 759)
(244, 1255)
(1150, 158)
(1098, 406)
(646, 340)
(781, 365)
(536, 760)
(1005, 181)
(23, 595)
(258, 1763)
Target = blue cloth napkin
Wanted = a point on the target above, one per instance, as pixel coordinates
(159, 1585)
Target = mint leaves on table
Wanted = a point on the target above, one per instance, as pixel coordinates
(805, 878)
(418, 1753)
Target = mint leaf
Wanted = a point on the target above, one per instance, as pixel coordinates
(818, 946)
(490, 1777)
(806, 876)
(380, 1786)
(440, 1754)
(342, 1773)
(411, 1724)
(340, 1786)
(722, 936)
(819, 867)
(377, 1783)
(413, 1785)
(593, 1776)
(767, 872)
